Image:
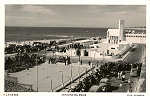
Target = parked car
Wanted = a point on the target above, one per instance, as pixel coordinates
(105, 80)
(105, 85)
(133, 72)
(102, 87)
(94, 88)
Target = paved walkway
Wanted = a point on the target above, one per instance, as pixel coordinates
(48, 72)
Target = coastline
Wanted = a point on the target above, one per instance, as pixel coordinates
(28, 42)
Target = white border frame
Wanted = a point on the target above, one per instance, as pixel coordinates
(73, 2)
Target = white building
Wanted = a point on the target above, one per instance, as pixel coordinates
(115, 36)
(123, 37)
(126, 35)
(135, 35)
(117, 41)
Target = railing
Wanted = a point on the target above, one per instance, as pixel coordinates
(125, 51)
(68, 82)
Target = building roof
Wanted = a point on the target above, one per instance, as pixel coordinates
(134, 31)
(113, 32)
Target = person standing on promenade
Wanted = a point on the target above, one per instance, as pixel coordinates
(49, 60)
(81, 62)
(65, 60)
(89, 63)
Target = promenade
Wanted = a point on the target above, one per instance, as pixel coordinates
(49, 75)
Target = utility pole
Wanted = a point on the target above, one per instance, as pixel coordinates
(103, 57)
(51, 85)
(70, 83)
(37, 70)
(71, 76)
(86, 72)
(62, 78)
(79, 72)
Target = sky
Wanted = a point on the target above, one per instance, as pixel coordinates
(74, 15)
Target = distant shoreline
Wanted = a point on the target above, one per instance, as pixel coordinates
(31, 41)
(28, 42)
(19, 34)
(54, 27)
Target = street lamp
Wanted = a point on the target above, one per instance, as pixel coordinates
(79, 72)
(37, 69)
(94, 55)
(19, 52)
(103, 57)
(51, 85)
(70, 83)
(62, 78)
(86, 72)
(71, 76)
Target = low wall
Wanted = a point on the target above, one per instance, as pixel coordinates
(124, 51)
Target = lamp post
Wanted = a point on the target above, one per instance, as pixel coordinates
(19, 54)
(103, 57)
(79, 73)
(94, 55)
(62, 78)
(37, 69)
(70, 83)
(71, 51)
(86, 72)
(51, 85)
(71, 76)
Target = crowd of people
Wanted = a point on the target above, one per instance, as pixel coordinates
(107, 70)
(37, 46)
(26, 48)
(64, 59)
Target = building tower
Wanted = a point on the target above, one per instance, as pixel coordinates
(121, 33)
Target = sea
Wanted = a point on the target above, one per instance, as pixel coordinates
(51, 33)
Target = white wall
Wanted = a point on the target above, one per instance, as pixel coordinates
(71, 52)
(135, 40)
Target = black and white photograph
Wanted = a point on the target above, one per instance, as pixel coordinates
(75, 48)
